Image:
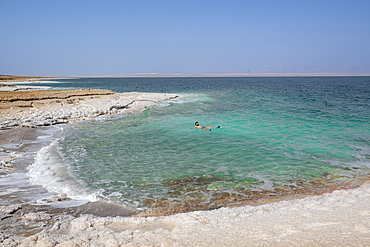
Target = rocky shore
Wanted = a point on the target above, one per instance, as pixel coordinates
(43, 108)
(341, 218)
(21, 113)
(17, 78)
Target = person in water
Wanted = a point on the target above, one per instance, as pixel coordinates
(197, 126)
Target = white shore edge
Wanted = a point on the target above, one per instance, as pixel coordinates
(340, 218)
(13, 87)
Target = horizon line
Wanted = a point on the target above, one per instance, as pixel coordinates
(154, 75)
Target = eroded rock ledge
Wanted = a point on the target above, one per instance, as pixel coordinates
(6, 97)
(42, 108)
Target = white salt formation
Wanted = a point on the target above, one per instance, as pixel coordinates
(52, 109)
(341, 218)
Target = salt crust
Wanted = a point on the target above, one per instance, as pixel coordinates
(12, 88)
(57, 111)
(341, 218)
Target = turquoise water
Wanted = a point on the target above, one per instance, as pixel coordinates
(275, 132)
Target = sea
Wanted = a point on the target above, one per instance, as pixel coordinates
(277, 136)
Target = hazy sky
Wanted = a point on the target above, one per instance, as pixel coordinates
(123, 37)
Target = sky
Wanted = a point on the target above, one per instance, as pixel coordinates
(50, 38)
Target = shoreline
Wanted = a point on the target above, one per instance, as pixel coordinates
(28, 122)
(15, 78)
(155, 75)
(278, 223)
(44, 108)
(340, 218)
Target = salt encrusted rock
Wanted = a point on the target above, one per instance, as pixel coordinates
(37, 216)
(80, 224)
(6, 162)
(10, 209)
(62, 222)
(39, 123)
(60, 121)
(29, 125)
(65, 110)
(337, 219)
(2, 237)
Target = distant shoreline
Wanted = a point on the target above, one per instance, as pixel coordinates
(154, 75)
(14, 79)
(17, 78)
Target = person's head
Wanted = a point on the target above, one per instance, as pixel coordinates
(196, 124)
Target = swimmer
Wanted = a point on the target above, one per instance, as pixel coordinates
(197, 126)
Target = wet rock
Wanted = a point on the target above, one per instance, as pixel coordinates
(4, 216)
(9, 243)
(56, 199)
(29, 125)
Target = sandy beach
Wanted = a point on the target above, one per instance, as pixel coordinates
(340, 218)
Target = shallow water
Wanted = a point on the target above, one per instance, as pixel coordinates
(277, 134)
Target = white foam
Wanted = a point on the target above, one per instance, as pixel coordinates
(50, 171)
(182, 99)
